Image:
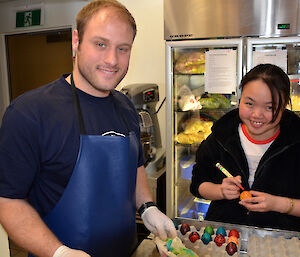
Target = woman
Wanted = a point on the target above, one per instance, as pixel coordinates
(259, 144)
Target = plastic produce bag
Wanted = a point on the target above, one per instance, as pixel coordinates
(187, 100)
(195, 131)
(191, 63)
(214, 101)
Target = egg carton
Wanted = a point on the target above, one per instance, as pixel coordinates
(206, 250)
(268, 246)
(253, 241)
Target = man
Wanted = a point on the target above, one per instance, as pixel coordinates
(71, 166)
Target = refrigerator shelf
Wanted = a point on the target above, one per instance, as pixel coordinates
(191, 148)
(188, 74)
(186, 145)
(207, 110)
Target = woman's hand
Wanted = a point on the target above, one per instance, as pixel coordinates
(263, 202)
(230, 187)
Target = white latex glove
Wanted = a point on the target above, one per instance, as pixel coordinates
(64, 251)
(158, 223)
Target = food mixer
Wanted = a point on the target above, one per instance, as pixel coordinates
(145, 96)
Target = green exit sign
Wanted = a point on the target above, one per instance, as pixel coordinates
(28, 18)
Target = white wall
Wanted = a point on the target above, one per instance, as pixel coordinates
(148, 56)
(147, 63)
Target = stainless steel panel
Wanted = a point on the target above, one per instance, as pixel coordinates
(191, 19)
(169, 137)
(284, 12)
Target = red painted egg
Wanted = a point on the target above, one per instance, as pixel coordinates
(234, 232)
(194, 236)
(184, 228)
(219, 239)
(231, 248)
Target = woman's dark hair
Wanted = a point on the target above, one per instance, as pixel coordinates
(277, 81)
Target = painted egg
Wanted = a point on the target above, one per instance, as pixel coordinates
(234, 232)
(169, 244)
(206, 238)
(233, 239)
(231, 248)
(194, 236)
(221, 231)
(245, 194)
(209, 229)
(219, 239)
(184, 228)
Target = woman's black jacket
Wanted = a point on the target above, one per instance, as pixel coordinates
(278, 172)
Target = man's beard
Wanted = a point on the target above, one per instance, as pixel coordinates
(93, 81)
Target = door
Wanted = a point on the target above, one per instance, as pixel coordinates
(4, 250)
(198, 71)
(35, 59)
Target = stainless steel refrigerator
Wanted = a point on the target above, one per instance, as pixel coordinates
(210, 45)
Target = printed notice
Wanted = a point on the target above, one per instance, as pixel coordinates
(220, 71)
(277, 57)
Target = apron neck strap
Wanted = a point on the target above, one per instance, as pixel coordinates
(78, 108)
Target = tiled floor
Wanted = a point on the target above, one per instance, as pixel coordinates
(16, 251)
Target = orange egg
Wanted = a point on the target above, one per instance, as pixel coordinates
(245, 194)
(233, 239)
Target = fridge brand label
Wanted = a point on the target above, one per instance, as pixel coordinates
(181, 36)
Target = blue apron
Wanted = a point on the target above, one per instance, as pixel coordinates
(96, 212)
